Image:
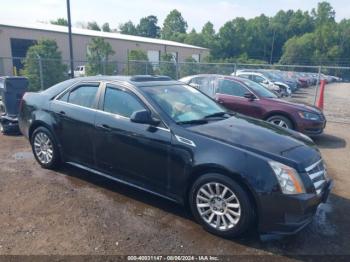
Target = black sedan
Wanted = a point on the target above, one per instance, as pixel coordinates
(169, 139)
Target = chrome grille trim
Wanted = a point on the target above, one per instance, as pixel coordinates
(318, 184)
(309, 168)
(317, 175)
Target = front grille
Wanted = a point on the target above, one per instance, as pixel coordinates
(318, 175)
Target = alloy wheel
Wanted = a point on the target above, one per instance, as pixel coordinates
(43, 148)
(279, 122)
(218, 206)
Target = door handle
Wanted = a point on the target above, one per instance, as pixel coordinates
(220, 101)
(105, 127)
(62, 113)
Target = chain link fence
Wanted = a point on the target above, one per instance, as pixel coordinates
(47, 72)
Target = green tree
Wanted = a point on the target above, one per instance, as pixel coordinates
(59, 21)
(148, 27)
(168, 66)
(194, 38)
(98, 53)
(233, 38)
(128, 28)
(209, 36)
(174, 24)
(299, 50)
(106, 28)
(324, 14)
(344, 39)
(138, 63)
(53, 70)
(93, 26)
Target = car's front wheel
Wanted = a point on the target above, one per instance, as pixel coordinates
(44, 148)
(221, 205)
(280, 121)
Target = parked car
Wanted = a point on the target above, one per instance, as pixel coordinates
(80, 71)
(263, 79)
(11, 92)
(170, 139)
(247, 97)
(278, 76)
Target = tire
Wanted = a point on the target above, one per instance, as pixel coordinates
(237, 222)
(281, 121)
(43, 141)
(4, 129)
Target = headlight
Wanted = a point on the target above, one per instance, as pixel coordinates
(309, 116)
(288, 178)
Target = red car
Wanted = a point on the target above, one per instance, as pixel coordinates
(249, 98)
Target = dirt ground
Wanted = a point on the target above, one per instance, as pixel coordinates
(72, 212)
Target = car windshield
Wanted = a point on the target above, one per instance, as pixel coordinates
(258, 89)
(183, 103)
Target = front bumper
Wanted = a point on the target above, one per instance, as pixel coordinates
(288, 214)
(312, 128)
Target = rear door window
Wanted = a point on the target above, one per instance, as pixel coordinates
(84, 95)
(232, 88)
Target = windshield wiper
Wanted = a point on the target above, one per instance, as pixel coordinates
(217, 114)
(193, 122)
(203, 120)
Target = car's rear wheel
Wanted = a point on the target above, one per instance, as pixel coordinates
(280, 121)
(44, 148)
(3, 129)
(220, 205)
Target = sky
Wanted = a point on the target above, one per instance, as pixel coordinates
(115, 12)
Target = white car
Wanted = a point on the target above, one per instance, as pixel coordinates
(80, 71)
(279, 87)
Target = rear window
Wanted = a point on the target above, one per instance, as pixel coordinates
(60, 87)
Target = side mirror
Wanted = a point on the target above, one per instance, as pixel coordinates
(265, 82)
(250, 96)
(144, 117)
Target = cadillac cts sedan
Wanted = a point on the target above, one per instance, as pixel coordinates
(171, 140)
(247, 97)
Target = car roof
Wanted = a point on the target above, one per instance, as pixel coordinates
(228, 77)
(250, 73)
(136, 80)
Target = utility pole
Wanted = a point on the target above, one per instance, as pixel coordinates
(71, 59)
(273, 45)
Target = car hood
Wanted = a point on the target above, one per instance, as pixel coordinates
(281, 83)
(261, 137)
(302, 107)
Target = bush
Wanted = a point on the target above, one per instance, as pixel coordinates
(98, 54)
(53, 69)
(138, 64)
(168, 66)
(190, 67)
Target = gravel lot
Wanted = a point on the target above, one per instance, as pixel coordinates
(72, 212)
